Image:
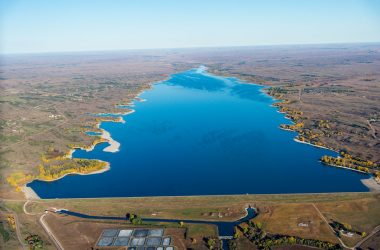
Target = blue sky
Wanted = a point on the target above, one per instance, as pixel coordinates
(28, 26)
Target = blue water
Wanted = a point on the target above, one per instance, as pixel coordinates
(124, 106)
(225, 228)
(107, 115)
(198, 134)
(93, 133)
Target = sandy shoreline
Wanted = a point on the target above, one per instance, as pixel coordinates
(372, 184)
(114, 145)
(308, 143)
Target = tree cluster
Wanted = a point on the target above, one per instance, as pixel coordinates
(346, 160)
(34, 242)
(263, 240)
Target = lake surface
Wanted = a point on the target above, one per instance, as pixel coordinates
(198, 134)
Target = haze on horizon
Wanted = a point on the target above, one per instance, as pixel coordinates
(52, 26)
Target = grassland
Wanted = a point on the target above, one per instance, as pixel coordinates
(278, 213)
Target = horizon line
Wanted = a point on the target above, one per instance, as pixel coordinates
(183, 48)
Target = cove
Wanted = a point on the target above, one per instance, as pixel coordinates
(200, 134)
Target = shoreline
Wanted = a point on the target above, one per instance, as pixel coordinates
(288, 129)
(352, 169)
(106, 168)
(30, 194)
(113, 145)
(371, 184)
(70, 153)
(311, 144)
(264, 91)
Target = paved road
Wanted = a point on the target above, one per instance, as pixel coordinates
(324, 218)
(44, 225)
(18, 231)
(375, 230)
(49, 232)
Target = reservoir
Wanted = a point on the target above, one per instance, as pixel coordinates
(199, 134)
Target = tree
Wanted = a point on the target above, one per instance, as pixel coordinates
(236, 235)
(211, 243)
(292, 240)
(232, 244)
(347, 226)
(135, 219)
(34, 241)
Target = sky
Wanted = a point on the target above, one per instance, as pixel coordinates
(32, 26)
